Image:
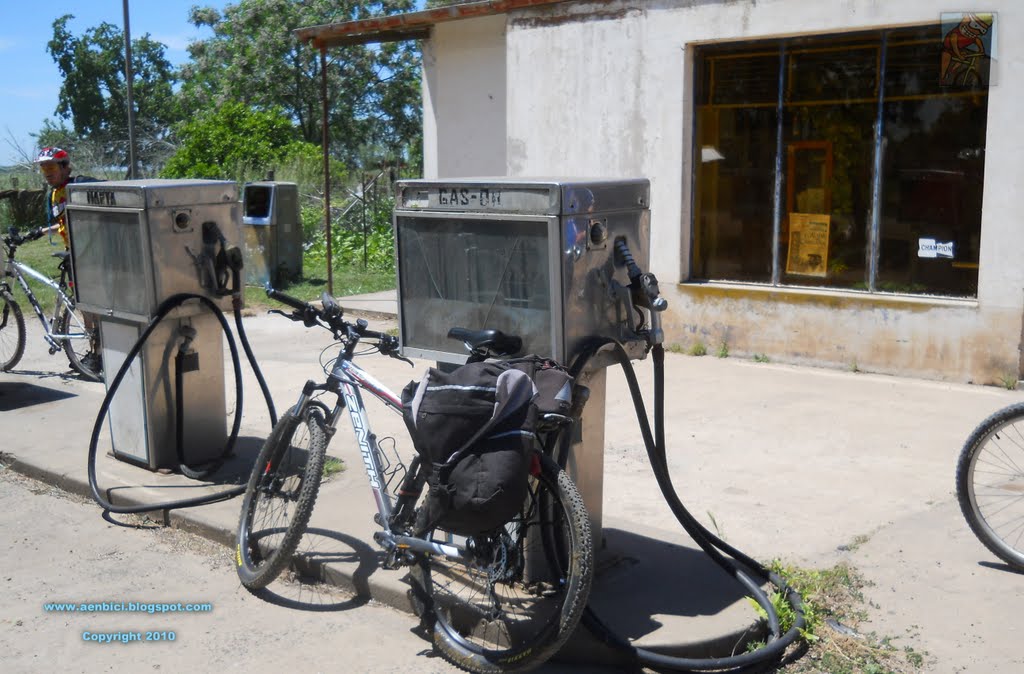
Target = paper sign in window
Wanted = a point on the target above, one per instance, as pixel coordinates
(808, 244)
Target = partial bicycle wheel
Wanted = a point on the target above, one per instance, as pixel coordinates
(990, 483)
(82, 345)
(279, 497)
(518, 593)
(12, 332)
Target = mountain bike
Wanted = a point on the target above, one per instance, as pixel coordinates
(65, 330)
(498, 602)
(990, 483)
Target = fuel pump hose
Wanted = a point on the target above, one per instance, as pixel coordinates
(744, 569)
(164, 309)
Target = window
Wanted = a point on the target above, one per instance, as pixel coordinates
(845, 161)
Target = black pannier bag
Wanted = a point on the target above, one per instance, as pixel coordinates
(475, 426)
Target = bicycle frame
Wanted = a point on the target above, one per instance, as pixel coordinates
(19, 270)
(350, 379)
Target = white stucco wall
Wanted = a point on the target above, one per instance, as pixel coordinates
(604, 89)
(464, 92)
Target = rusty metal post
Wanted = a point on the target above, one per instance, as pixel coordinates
(327, 168)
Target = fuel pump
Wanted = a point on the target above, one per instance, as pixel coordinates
(156, 261)
(561, 264)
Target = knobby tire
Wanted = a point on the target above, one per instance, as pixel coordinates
(12, 332)
(284, 483)
(76, 349)
(554, 533)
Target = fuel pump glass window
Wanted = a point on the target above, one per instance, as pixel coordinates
(474, 274)
(109, 266)
(794, 186)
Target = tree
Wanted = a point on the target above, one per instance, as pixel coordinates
(93, 96)
(234, 141)
(255, 58)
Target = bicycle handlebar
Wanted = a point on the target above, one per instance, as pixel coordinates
(16, 239)
(331, 318)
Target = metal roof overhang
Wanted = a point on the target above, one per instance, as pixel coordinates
(409, 26)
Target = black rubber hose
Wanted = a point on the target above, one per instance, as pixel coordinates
(237, 305)
(655, 444)
(165, 308)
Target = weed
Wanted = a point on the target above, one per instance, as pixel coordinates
(675, 347)
(857, 541)
(1008, 380)
(714, 523)
(723, 350)
(762, 358)
(332, 466)
(832, 600)
(854, 367)
(698, 349)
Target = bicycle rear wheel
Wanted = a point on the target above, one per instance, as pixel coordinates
(518, 594)
(12, 332)
(990, 483)
(279, 497)
(82, 345)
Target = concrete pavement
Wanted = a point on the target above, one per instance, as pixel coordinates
(807, 465)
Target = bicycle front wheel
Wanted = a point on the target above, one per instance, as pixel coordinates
(279, 497)
(81, 344)
(990, 483)
(518, 593)
(12, 332)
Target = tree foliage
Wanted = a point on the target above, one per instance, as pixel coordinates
(234, 141)
(93, 96)
(255, 58)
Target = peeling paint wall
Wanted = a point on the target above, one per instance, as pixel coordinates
(605, 89)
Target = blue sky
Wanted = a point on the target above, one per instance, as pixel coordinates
(29, 79)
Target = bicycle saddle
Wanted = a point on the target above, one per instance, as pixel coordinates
(494, 341)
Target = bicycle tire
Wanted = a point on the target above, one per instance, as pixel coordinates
(79, 349)
(279, 497)
(471, 618)
(990, 484)
(12, 333)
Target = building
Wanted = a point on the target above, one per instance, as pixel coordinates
(833, 182)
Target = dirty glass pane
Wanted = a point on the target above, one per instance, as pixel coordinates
(828, 133)
(934, 108)
(473, 274)
(933, 172)
(735, 164)
(108, 254)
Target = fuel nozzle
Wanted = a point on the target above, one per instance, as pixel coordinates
(643, 290)
(644, 285)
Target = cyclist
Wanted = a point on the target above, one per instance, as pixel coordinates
(55, 165)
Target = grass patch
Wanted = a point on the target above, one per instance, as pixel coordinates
(762, 358)
(698, 349)
(833, 609)
(723, 350)
(348, 280)
(333, 466)
(1008, 380)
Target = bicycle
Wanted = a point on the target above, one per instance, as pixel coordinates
(499, 602)
(990, 483)
(65, 330)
